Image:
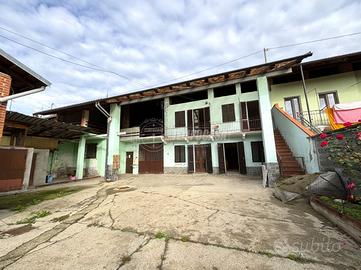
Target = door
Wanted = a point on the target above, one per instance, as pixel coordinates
(241, 158)
(12, 168)
(200, 159)
(129, 162)
(151, 158)
(190, 159)
(222, 168)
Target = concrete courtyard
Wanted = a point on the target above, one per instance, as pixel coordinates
(174, 222)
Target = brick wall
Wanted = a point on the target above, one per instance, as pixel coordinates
(5, 83)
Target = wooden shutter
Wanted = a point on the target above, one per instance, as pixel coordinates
(190, 122)
(241, 158)
(244, 116)
(180, 120)
(222, 168)
(190, 159)
(208, 152)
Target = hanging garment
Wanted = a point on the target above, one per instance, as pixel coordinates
(347, 112)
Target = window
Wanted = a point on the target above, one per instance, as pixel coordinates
(180, 119)
(257, 151)
(293, 107)
(228, 114)
(250, 116)
(179, 154)
(91, 150)
(250, 86)
(190, 97)
(328, 100)
(198, 122)
(226, 90)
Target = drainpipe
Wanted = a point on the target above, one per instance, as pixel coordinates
(109, 120)
(11, 97)
(305, 93)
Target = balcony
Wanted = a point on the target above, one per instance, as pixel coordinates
(319, 120)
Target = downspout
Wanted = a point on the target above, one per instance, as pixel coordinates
(11, 97)
(305, 93)
(109, 120)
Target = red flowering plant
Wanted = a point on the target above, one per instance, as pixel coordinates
(343, 149)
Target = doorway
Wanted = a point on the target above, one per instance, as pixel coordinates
(231, 158)
(200, 158)
(151, 158)
(129, 162)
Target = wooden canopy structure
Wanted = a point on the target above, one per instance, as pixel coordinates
(24, 125)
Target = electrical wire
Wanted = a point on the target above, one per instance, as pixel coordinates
(312, 41)
(70, 62)
(101, 69)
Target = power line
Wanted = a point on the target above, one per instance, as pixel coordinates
(71, 62)
(211, 67)
(313, 41)
(101, 69)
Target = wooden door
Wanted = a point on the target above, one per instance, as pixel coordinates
(200, 159)
(151, 158)
(129, 162)
(208, 156)
(12, 168)
(222, 168)
(190, 159)
(241, 158)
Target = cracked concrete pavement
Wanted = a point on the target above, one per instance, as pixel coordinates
(176, 222)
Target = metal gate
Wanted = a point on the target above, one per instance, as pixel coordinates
(12, 168)
(151, 158)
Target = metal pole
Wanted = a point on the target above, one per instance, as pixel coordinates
(305, 93)
(265, 54)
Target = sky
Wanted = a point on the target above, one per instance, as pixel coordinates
(151, 43)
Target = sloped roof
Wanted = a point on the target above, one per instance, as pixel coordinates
(49, 128)
(261, 69)
(23, 78)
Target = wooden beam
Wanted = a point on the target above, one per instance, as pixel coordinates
(216, 79)
(135, 96)
(149, 93)
(15, 125)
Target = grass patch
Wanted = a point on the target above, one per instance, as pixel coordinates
(161, 235)
(350, 209)
(268, 254)
(59, 219)
(19, 202)
(34, 216)
(296, 258)
(126, 259)
(184, 238)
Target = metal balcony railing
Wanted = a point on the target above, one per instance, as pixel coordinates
(318, 118)
(214, 129)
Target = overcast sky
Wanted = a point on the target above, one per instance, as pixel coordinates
(152, 42)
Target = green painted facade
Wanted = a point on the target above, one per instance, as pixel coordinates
(178, 136)
(346, 84)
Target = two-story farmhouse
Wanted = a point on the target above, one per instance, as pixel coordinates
(215, 124)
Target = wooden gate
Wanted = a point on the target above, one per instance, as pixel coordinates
(151, 158)
(12, 168)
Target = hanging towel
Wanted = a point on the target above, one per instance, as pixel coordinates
(331, 119)
(347, 106)
(347, 115)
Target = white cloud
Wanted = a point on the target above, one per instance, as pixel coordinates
(155, 41)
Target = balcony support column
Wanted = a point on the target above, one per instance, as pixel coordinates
(269, 144)
(114, 140)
